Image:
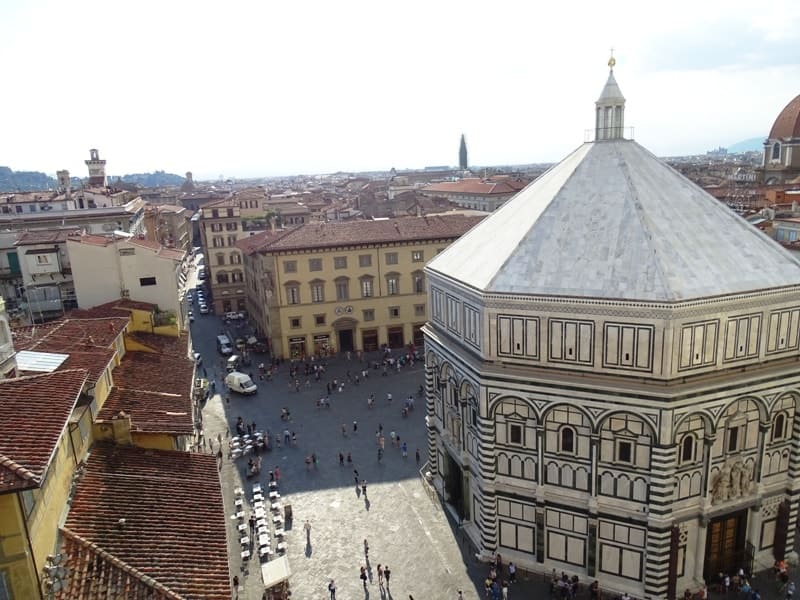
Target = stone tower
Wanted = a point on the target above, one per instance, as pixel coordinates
(462, 154)
(97, 169)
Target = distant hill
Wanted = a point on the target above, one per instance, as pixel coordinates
(24, 181)
(752, 145)
(149, 180)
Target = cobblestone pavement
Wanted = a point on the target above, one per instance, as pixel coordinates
(430, 559)
(404, 527)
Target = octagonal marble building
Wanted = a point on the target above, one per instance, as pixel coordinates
(612, 376)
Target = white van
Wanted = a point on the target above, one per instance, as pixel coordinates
(240, 383)
(224, 345)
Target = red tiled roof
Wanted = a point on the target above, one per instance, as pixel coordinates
(251, 244)
(120, 307)
(70, 334)
(483, 187)
(156, 515)
(151, 412)
(87, 342)
(45, 236)
(406, 229)
(33, 414)
(155, 372)
(98, 574)
(162, 344)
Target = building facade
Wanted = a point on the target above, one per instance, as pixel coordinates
(612, 393)
(46, 272)
(220, 229)
(337, 287)
(108, 268)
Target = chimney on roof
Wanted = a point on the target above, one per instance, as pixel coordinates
(117, 430)
(121, 524)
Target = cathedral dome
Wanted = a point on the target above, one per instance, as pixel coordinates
(613, 222)
(787, 125)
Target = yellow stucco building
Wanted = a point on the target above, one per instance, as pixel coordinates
(331, 287)
(48, 422)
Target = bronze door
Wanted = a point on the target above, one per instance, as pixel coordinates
(725, 544)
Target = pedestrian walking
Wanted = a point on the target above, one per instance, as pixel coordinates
(350, 461)
(344, 430)
(417, 455)
(504, 587)
(355, 474)
(235, 582)
(512, 572)
(366, 548)
(405, 450)
(307, 529)
(389, 397)
(277, 474)
(386, 573)
(363, 576)
(341, 459)
(364, 487)
(380, 575)
(332, 589)
(355, 426)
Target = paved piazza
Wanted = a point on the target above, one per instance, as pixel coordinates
(427, 554)
(404, 527)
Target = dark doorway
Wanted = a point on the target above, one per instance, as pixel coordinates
(346, 340)
(454, 486)
(395, 337)
(369, 340)
(725, 544)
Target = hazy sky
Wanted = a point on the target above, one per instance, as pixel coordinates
(267, 87)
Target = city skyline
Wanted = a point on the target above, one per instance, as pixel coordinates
(260, 90)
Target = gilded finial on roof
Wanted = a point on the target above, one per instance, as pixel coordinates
(612, 61)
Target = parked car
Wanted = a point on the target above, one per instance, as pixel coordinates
(234, 316)
(204, 309)
(191, 317)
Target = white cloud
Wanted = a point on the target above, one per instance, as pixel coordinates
(248, 87)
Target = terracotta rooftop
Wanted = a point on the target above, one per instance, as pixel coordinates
(120, 308)
(475, 186)
(70, 333)
(252, 244)
(46, 236)
(147, 522)
(387, 231)
(163, 344)
(148, 372)
(33, 414)
(151, 412)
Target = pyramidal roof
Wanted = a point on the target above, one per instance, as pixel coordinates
(612, 221)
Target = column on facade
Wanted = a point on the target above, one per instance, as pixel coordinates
(430, 411)
(487, 522)
(659, 529)
(700, 548)
(793, 489)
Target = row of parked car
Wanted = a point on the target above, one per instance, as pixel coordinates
(202, 305)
